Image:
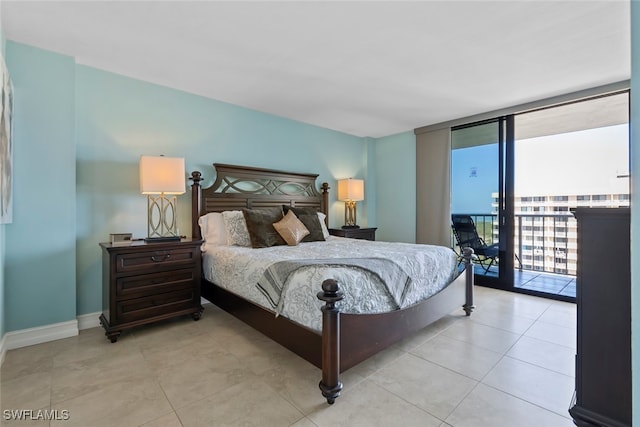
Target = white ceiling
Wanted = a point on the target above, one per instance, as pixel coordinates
(365, 68)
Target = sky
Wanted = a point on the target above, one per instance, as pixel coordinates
(584, 162)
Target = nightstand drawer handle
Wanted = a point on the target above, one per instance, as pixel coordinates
(159, 259)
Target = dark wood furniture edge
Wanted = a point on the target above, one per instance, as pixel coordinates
(357, 339)
(367, 233)
(603, 397)
(113, 333)
(196, 177)
(583, 417)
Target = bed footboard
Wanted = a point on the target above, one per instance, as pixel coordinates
(380, 329)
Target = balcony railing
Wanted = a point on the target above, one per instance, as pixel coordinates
(543, 242)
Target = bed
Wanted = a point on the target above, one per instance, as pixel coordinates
(336, 340)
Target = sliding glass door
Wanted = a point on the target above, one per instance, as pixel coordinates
(482, 197)
(517, 178)
(567, 156)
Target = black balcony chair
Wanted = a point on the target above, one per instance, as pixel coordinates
(466, 234)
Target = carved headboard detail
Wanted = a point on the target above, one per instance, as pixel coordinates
(238, 187)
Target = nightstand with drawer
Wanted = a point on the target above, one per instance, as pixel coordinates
(354, 233)
(147, 282)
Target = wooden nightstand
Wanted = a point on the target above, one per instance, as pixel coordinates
(354, 233)
(147, 282)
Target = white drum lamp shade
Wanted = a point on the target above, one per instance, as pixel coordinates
(161, 176)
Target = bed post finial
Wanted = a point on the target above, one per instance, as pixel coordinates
(196, 177)
(330, 384)
(325, 202)
(468, 257)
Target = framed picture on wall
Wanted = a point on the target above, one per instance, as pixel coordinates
(6, 146)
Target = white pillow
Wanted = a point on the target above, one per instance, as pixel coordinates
(236, 228)
(213, 229)
(325, 231)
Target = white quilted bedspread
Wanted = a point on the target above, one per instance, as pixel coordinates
(238, 269)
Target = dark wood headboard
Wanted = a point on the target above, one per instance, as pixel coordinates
(238, 187)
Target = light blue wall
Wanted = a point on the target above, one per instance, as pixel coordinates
(119, 118)
(635, 214)
(2, 227)
(396, 187)
(40, 247)
(75, 118)
(367, 217)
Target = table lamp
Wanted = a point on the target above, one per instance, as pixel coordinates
(161, 177)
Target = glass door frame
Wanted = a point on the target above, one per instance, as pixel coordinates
(505, 216)
(506, 201)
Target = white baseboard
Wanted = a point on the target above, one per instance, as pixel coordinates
(40, 334)
(56, 331)
(3, 349)
(88, 321)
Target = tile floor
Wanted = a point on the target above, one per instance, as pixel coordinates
(509, 364)
(559, 284)
(549, 283)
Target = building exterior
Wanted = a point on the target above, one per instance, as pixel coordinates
(545, 230)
